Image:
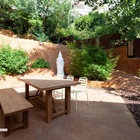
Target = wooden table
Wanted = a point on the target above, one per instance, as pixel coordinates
(49, 84)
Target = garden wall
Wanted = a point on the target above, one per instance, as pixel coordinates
(49, 52)
(130, 65)
(35, 50)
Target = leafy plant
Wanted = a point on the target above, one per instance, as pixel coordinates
(125, 20)
(122, 18)
(87, 25)
(40, 63)
(90, 22)
(38, 17)
(13, 61)
(37, 30)
(91, 61)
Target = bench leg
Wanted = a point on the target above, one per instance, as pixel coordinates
(7, 125)
(25, 119)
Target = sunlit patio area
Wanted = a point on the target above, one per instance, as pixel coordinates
(105, 118)
(70, 70)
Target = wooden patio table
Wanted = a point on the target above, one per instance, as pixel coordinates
(49, 84)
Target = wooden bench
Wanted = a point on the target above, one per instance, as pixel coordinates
(11, 104)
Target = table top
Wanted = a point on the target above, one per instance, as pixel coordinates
(47, 83)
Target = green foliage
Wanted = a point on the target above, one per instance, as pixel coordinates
(122, 18)
(12, 61)
(77, 35)
(45, 19)
(56, 17)
(91, 61)
(14, 17)
(89, 26)
(125, 19)
(90, 22)
(40, 63)
(95, 3)
(37, 29)
(41, 18)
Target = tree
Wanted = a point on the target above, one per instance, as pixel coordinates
(54, 14)
(39, 17)
(95, 3)
(125, 19)
(15, 14)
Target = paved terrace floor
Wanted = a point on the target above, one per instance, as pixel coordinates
(106, 118)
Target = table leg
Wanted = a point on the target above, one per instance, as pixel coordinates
(27, 91)
(48, 106)
(67, 100)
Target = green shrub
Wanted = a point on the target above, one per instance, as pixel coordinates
(93, 25)
(37, 30)
(40, 18)
(90, 22)
(12, 61)
(91, 61)
(40, 63)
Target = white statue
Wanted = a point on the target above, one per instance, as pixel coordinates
(60, 65)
